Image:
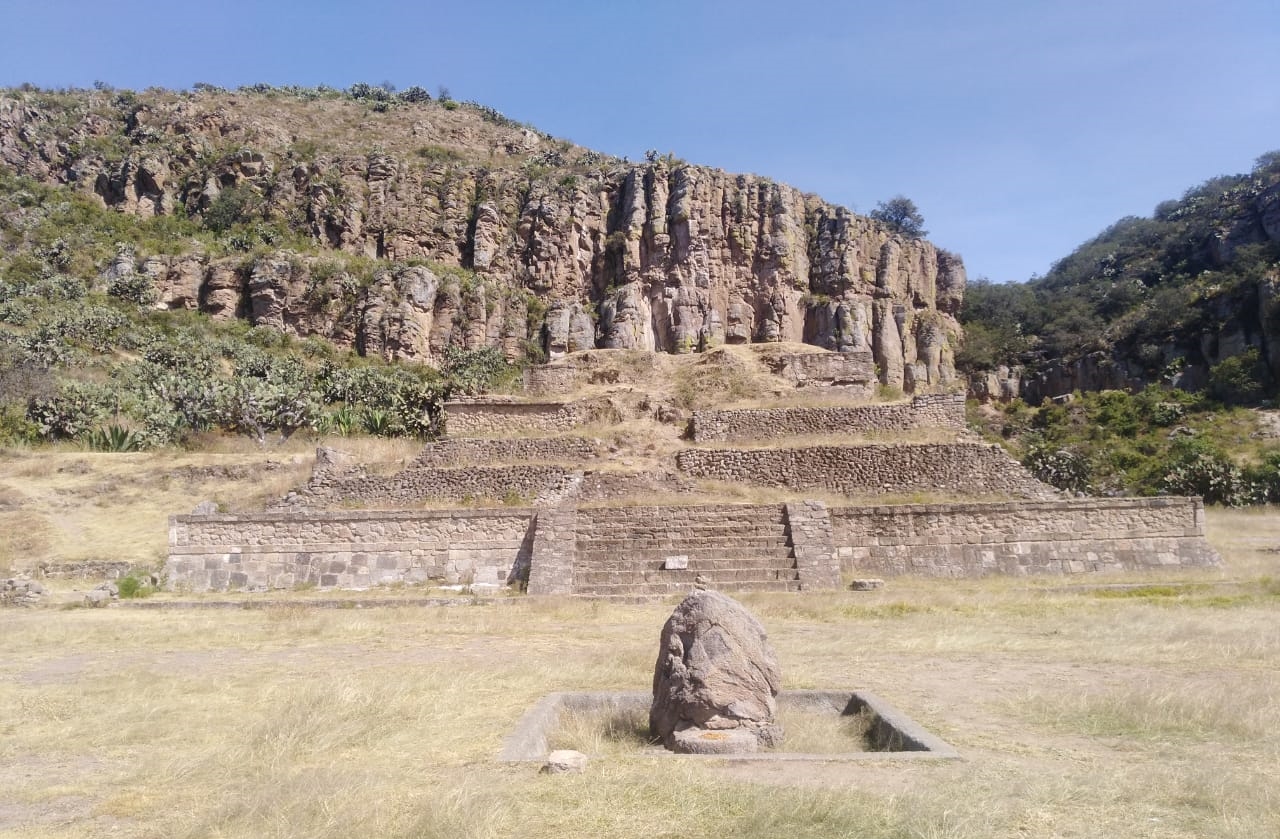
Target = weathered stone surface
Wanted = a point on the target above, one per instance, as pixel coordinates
(660, 255)
(961, 468)
(97, 598)
(703, 741)
(715, 671)
(566, 551)
(565, 761)
(930, 411)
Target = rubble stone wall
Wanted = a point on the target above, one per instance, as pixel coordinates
(348, 550)
(929, 411)
(965, 468)
(550, 379)
(1021, 538)
(467, 451)
(435, 484)
(482, 417)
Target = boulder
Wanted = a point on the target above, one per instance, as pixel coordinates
(563, 761)
(715, 673)
(97, 597)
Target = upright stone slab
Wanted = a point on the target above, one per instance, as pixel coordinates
(554, 545)
(716, 679)
(809, 527)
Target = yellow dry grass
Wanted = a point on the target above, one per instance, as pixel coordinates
(69, 505)
(1080, 712)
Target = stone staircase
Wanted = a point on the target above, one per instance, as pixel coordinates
(621, 552)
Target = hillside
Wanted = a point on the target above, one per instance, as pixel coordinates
(399, 226)
(1186, 298)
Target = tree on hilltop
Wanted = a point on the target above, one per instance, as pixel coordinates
(901, 214)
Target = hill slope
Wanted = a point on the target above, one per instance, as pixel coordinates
(1168, 299)
(400, 226)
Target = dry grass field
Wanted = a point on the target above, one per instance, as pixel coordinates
(1079, 711)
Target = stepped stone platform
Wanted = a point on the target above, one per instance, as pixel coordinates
(570, 534)
(629, 551)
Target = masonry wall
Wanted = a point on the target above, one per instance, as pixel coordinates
(930, 411)
(468, 451)
(435, 484)
(1021, 538)
(495, 547)
(349, 550)
(964, 468)
(499, 417)
(550, 380)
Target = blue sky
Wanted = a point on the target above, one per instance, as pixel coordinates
(1020, 128)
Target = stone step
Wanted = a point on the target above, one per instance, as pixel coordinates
(666, 589)
(688, 578)
(739, 511)
(626, 522)
(682, 544)
(657, 556)
(668, 534)
(696, 562)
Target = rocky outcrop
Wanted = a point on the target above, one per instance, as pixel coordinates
(716, 676)
(560, 247)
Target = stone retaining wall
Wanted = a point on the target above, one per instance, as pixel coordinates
(467, 451)
(1058, 537)
(550, 380)
(432, 484)
(349, 550)
(929, 411)
(965, 468)
(501, 546)
(471, 417)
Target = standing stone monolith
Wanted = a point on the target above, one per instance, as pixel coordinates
(716, 680)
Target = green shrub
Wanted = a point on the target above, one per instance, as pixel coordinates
(475, 371)
(1213, 477)
(1062, 468)
(133, 587)
(1238, 380)
(72, 412)
(234, 205)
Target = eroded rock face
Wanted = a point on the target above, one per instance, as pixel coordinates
(716, 672)
(659, 256)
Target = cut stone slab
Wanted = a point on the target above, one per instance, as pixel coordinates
(703, 741)
(676, 563)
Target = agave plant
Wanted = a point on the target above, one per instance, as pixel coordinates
(379, 423)
(114, 438)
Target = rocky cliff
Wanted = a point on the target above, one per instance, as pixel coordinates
(414, 225)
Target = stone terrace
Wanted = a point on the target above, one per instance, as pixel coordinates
(944, 411)
(959, 468)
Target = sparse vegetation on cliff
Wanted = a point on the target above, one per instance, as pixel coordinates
(1164, 300)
